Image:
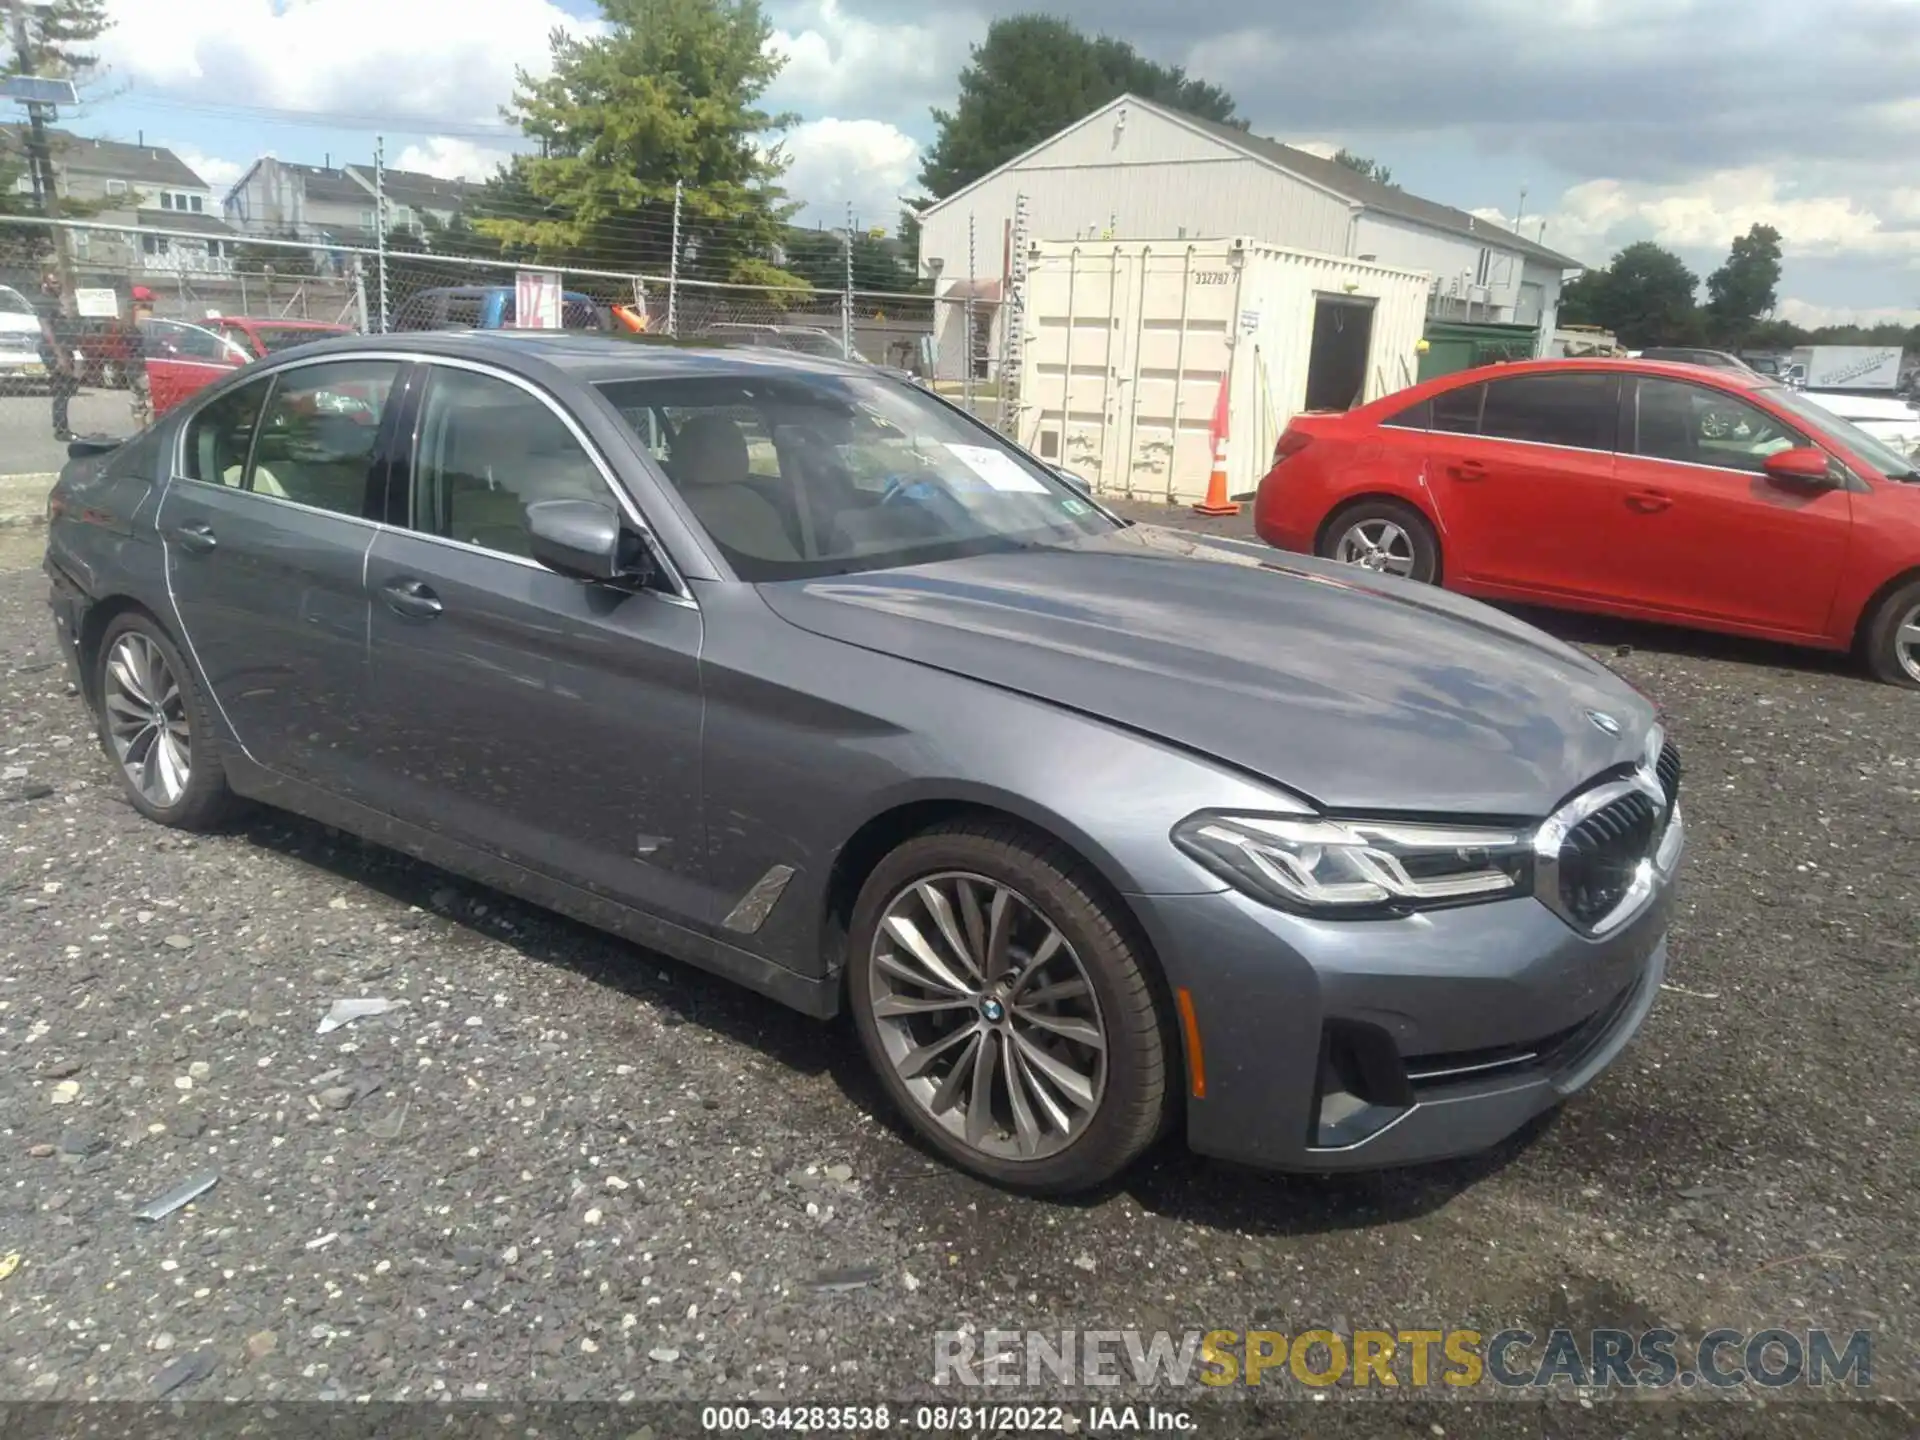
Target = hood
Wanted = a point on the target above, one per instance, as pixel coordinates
(1357, 691)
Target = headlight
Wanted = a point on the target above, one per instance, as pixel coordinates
(1355, 867)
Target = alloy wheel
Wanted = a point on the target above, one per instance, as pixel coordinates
(987, 1016)
(1378, 545)
(1906, 642)
(147, 720)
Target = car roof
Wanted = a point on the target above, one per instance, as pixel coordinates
(1679, 370)
(589, 355)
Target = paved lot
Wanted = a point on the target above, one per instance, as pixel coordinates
(27, 445)
(562, 1168)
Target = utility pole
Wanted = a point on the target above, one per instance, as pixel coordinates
(846, 295)
(46, 192)
(673, 268)
(380, 226)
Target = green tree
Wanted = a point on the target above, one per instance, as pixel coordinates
(819, 257)
(1744, 289)
(668, 93)
(61, 35)
(1645, 297)
(60, 43)
(1364, 165)
(1033, 76)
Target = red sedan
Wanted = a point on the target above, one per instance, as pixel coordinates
(1674, 493)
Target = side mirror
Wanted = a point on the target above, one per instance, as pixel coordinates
(1803, 466)
(582, 539)
(1078, 482)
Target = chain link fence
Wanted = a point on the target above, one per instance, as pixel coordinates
(958, 343)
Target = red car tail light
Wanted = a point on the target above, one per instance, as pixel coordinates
(1291, 444)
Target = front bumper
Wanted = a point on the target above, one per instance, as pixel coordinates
(1345, 1045)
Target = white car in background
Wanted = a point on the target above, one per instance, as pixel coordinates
(1891, 422)
(20, 362)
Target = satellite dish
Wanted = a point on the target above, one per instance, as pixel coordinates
(38, 90)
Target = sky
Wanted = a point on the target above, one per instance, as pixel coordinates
(1680, 121)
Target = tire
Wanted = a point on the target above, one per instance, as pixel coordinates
(121, 682)
(1891, 643)
(1127, 1082)
(1408, 546)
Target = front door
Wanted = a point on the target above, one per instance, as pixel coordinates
(1522, 471)
(266, 526)
(1715, 538)
(549, 721)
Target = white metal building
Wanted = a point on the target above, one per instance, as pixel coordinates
(1137, 170)
(1126, 345)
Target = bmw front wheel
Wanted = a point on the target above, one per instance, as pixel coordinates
(1007, 1010)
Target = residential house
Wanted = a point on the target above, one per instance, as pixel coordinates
(328, 205)
(145, 188)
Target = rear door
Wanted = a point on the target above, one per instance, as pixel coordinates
(183, 359)
(1715, 538)
(1522, 470)
(267, 524)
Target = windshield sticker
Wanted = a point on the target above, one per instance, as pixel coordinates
(1075, 507)
(997, 469)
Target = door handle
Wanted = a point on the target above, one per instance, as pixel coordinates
(1468, 470)
(412, 598)
(1648, 502)
(195, 535)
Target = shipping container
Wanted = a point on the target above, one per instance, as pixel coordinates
(1125, 345)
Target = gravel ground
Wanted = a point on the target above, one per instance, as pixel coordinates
(560, 1168)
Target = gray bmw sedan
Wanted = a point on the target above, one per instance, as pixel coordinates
(801, 675)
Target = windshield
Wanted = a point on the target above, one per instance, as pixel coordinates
(796, 475)
(276, 338)
(12, 302)
(1877, 453)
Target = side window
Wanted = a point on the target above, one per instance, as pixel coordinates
(317, 436)
(763, 459)
(1414, 417)
(217, 438)
(1701, 426)
(1458, 411)
(1577, 411)
(487, 450)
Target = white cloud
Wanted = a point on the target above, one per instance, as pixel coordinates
(218, 173)
(1812, 316)
(450, 60)
(1593, 219)
(866, 163)
(836, 62)
(452, 159)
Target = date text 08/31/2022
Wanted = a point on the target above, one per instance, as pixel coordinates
(963, 1419)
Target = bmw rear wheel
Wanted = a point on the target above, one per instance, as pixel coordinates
(1007, 1012)
(157, 728)
(1384, 536)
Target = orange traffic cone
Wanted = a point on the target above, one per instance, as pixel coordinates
(1217, 502)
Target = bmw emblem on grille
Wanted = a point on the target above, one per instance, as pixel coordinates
(1604, 722)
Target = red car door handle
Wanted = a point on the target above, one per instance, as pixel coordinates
(1468, 470)
(1648, 502)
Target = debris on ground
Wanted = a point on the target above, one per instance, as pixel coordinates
(186, 1370)
(184, 1193)
(853, 1277)
(345, 1012)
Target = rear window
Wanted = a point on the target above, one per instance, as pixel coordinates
(1577, 412)
(1414, 417)
(276, 338)
(1458, 411)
